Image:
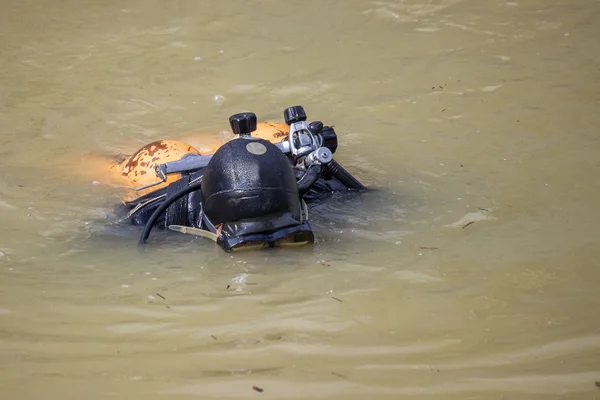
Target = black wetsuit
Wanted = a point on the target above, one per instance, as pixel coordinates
(187, 210)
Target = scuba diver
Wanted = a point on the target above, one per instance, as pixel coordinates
(249, 193)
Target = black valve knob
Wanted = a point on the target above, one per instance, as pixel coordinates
(294, 114)
(329, 138)
(243, 123)
(315, 127)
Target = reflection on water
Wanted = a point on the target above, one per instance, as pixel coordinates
(469, 272)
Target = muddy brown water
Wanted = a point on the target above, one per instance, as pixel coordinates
(471, 272)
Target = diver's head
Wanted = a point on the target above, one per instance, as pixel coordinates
(250, 193)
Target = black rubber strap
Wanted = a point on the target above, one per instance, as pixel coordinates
(177, 213)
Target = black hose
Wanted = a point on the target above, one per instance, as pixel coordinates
(309, 178)
(334, 169)
(170, 200)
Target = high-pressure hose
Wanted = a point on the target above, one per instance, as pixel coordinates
(309, 178)
(168, 202)
(334, 169)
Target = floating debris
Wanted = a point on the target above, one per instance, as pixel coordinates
(483, 214)
(467, 224)
(164, 298)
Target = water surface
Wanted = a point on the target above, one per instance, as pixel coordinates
(470, 273)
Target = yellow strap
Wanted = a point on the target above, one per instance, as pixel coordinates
(194, 231)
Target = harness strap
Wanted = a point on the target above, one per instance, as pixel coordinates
(177, 213)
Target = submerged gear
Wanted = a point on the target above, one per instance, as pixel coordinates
(251, 193)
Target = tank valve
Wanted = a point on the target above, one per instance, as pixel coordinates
(320, 156)
(301, 139)
(242, 124)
